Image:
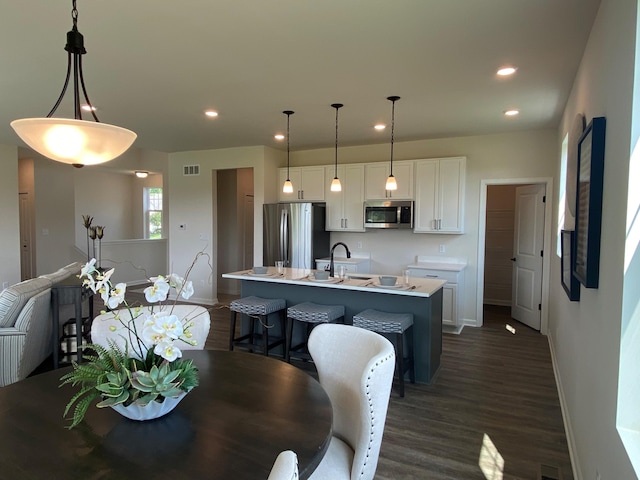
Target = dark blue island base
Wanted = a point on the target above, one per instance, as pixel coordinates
(427, 313)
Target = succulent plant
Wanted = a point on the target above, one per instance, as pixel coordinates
(156, 382)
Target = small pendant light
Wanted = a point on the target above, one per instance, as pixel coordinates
(288, 186)
(391, 181)
(335, 184)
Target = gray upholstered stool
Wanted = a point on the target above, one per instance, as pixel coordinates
(392, 323)
(257, 309)
(311, 314)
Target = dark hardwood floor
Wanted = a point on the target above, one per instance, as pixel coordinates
(492, 413)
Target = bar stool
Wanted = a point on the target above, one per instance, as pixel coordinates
(394, 323)
(311, 314)
(257, 309)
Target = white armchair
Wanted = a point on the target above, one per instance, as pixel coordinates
(27, 343)
(105, 327)
(355, 367)
(285, 467)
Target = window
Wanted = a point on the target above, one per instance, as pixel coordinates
(153, 212)
(562, 193)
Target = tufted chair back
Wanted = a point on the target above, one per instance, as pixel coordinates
(285, 467)
(355, 367)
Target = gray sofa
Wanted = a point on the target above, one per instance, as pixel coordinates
(26, 325)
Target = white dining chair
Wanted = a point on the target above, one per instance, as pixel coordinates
(285, 466)
(355, 367)
(106, 327)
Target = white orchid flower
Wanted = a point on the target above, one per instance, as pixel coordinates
(187, 290)
(154, 336)
(158, 291)
(116, 296)
(103, 280)
(88, 268)
(168, 351)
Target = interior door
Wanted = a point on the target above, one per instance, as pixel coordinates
(527, 258)
(26, 249)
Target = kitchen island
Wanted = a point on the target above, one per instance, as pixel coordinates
(422, 297)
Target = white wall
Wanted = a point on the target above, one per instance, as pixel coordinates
(585, 335)
(192, 202)
(506, 156)
(10, 231)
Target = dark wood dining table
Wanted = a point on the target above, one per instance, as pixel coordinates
(246, 410)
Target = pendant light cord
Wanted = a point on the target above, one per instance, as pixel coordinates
(393, 122)
(288, 113)
(337, 106)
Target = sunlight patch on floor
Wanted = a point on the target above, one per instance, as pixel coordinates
(491, 462)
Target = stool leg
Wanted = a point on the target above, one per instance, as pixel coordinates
(252, 332)
(400, 362)
(232, 331)
(287, 350)
(265, 335)
(283, 331)
(412, 368)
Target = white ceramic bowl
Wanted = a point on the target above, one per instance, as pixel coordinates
(259, 270)
(321, 275)
(387, 280)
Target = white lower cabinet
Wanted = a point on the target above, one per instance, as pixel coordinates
(452, 295)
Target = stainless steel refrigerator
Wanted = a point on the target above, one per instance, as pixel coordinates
(294, 233)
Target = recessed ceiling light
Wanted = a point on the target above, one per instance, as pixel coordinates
(279, 136)
(141, 174)
(211, 113)
(506, 71)
(88, 108)
(511, 113)
(380, 126)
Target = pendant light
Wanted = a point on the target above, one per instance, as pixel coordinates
(391, 181)
(335, 184)
(74, 141)
(288, 186)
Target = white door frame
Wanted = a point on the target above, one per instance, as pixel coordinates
(482, 227)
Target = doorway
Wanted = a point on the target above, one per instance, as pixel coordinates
(234, 225)
(497, 238)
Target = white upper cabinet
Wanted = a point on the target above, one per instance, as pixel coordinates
(440, 186)
(375, 177)
(345, 211)
(308, 184)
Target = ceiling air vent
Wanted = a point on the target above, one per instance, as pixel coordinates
(191, 170)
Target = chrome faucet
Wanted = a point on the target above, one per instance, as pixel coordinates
(331, 268)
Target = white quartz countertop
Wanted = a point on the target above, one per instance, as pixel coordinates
(350, 261)
(452, 264)
(453, 267)
(418, 287)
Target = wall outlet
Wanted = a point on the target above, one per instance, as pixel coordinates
(5, 285)
(204, 236)
(598, 477)
(442, 249)
(182, 226)
(358, 244)
(45, 232)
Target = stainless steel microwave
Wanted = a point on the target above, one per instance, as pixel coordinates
(388, 214)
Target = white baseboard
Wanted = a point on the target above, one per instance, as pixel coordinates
(577, 474)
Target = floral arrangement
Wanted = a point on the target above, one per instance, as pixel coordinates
(149, 368)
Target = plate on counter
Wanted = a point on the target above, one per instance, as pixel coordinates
(253, 274)
(328, 280)
(397, 286)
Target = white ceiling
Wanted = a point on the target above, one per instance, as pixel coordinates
(154, 66)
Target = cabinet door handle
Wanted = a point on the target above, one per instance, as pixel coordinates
(431, 276)
(342, 223)
(439, 224)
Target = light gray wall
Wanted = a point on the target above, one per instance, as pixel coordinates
(585, 335)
